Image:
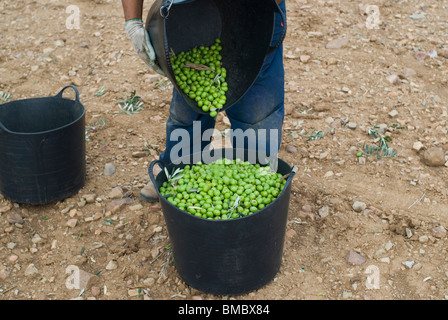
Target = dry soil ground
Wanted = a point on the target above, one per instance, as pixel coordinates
(358, 227)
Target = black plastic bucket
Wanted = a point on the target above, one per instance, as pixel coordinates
(245, 27)
(227, 257)
(42, 148)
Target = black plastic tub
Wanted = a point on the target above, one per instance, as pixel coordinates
(42, 148)
(245, 27)
(227, 257)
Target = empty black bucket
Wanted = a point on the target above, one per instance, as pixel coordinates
(245, 27)
(227, 257)
(42, 148)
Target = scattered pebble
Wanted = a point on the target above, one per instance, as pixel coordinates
(72, 223)
(409, 264)
(31, 270)
(116, 193)
(417, 146)
(324, 211)
(393, 79)
(393, 113)
(434, 157)
(112, 265)
(291, 149)
(109, 169)
(439, 232)
(5, 209)
(355, 258)
(337, 43)
(359, 206)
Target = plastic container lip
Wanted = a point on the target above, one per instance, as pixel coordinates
(292, 172)
(2, 126)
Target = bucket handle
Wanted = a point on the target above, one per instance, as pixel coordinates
(291, 175)
(150, 169)
(59, 95)
(165, 8)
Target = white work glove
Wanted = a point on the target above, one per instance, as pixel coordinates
(142, 44)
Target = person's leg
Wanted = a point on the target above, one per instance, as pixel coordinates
(184, 130)
(257, 119)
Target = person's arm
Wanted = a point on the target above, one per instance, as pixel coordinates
(136, 31)
(132, 9)
(279, 1)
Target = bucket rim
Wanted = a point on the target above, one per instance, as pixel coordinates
(292, 172)
(2, 126)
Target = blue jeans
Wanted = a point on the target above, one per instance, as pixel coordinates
(262, 107)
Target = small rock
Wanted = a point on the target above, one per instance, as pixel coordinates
(36, 238)
(72, 223)
(439, 232)
(77, 81)
(11, 245)
(109, 169)
(14, 218)
(358, 206)
(408, 72)
(96, 291)
(328, 174)
(4, 209)
(385, 260)
(409, 264)
(133, 292)
(90, 198)
(31, 270)
(139, 154)
(417, 146)
(117, 204)
(434, 157)
(306, 208)
(3, 274)
(388, 245)
(136, 207)
(116, 193)
(291, 149)
(305, 58)
(324, 211)
(337, 43)
(423, 239)
(352, 125)
(355, 258)
(393, 113)
(112, 265)
(393, 79)
(13, 258)
(420, 56)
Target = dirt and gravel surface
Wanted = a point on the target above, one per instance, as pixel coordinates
(359, 226)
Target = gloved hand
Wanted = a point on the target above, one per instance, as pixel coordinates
(142, 44)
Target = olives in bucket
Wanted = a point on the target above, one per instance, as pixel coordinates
(224, 189)
(200, 75)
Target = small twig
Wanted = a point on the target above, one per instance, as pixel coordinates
(197, 66)
(7, 290)
(418, 200)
